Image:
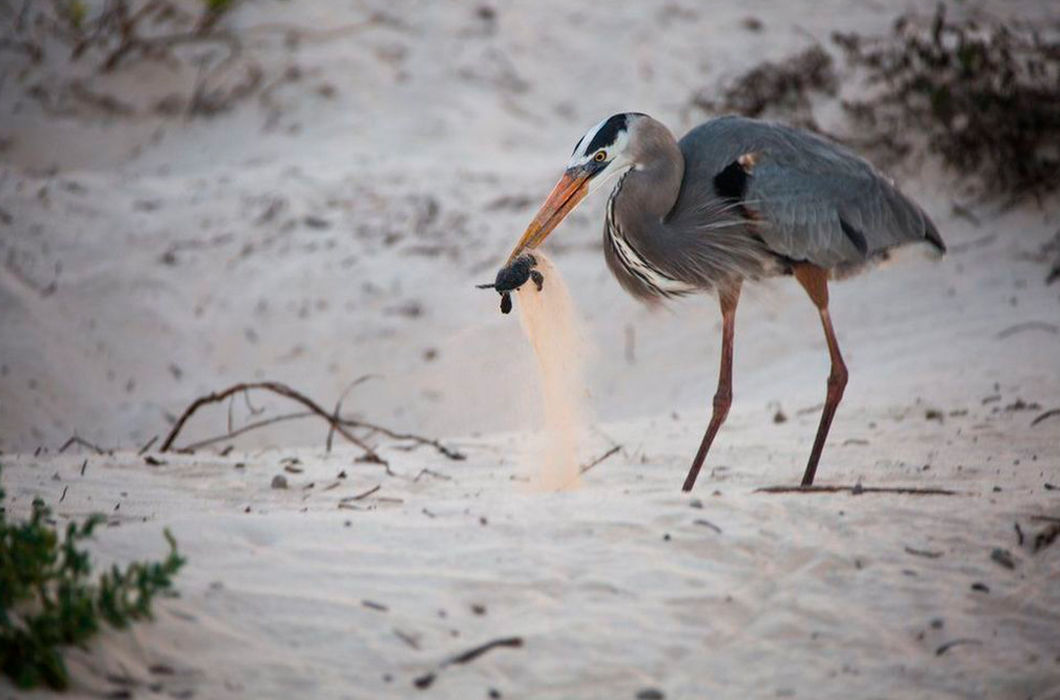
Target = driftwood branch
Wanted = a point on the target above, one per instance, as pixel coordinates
(336, 423)
(276, 388)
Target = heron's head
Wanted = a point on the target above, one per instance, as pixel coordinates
(607, 150)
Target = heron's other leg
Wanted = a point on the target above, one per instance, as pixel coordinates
(723, 396)
(815, 281)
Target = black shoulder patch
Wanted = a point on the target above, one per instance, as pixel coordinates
(731, 182)
(856, 237)
(607, 133)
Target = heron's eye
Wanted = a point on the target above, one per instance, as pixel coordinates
(600, 156)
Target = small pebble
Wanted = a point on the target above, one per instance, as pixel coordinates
(1003, 557)
(279, 481)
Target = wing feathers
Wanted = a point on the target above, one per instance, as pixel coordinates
(813, 199)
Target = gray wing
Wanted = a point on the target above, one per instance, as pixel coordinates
(814, 200)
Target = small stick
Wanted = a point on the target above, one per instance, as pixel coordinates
(449, 452)
(1044, 416)
(1028, 326)
(338, 407)
(600, 459)
(76, 440)
(956, 642)
(590, 465)
(1046, 537)
(231, 400)
(146, 446)
(430, 472)
(250, 406)
(707, 523)
(475, 652)
(856, 490)
(84, 465)
(923, 553)
(64, 494)
(407, 638)
(364, 494)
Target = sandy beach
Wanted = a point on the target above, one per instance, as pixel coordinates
(337, 230)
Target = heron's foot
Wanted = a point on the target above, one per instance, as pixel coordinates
(513, 276)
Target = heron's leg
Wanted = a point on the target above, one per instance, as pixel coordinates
(723, 396)
(815, 281)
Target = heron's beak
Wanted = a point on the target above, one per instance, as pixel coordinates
(570, 190)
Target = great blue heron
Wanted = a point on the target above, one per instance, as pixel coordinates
(734, 199)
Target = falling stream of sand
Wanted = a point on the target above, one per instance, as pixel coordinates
(549, 321)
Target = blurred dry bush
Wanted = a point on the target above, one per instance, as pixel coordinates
(66, 55)
(780, 90)
(981, 94)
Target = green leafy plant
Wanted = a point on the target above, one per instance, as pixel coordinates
(48, 598)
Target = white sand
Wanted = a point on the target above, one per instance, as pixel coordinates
(183, 261)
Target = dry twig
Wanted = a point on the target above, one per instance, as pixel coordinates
(147, 446)
(600, 459)
(423, 682)
(246, 429)
(77, 440)
(363, 494)
(1045, 416)
(338, 407)
(336, 423)
(419, 440)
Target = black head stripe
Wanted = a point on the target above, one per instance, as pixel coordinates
(607, 133)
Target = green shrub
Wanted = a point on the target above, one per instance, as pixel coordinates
(48, 599)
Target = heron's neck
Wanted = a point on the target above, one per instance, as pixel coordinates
(647, 193)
